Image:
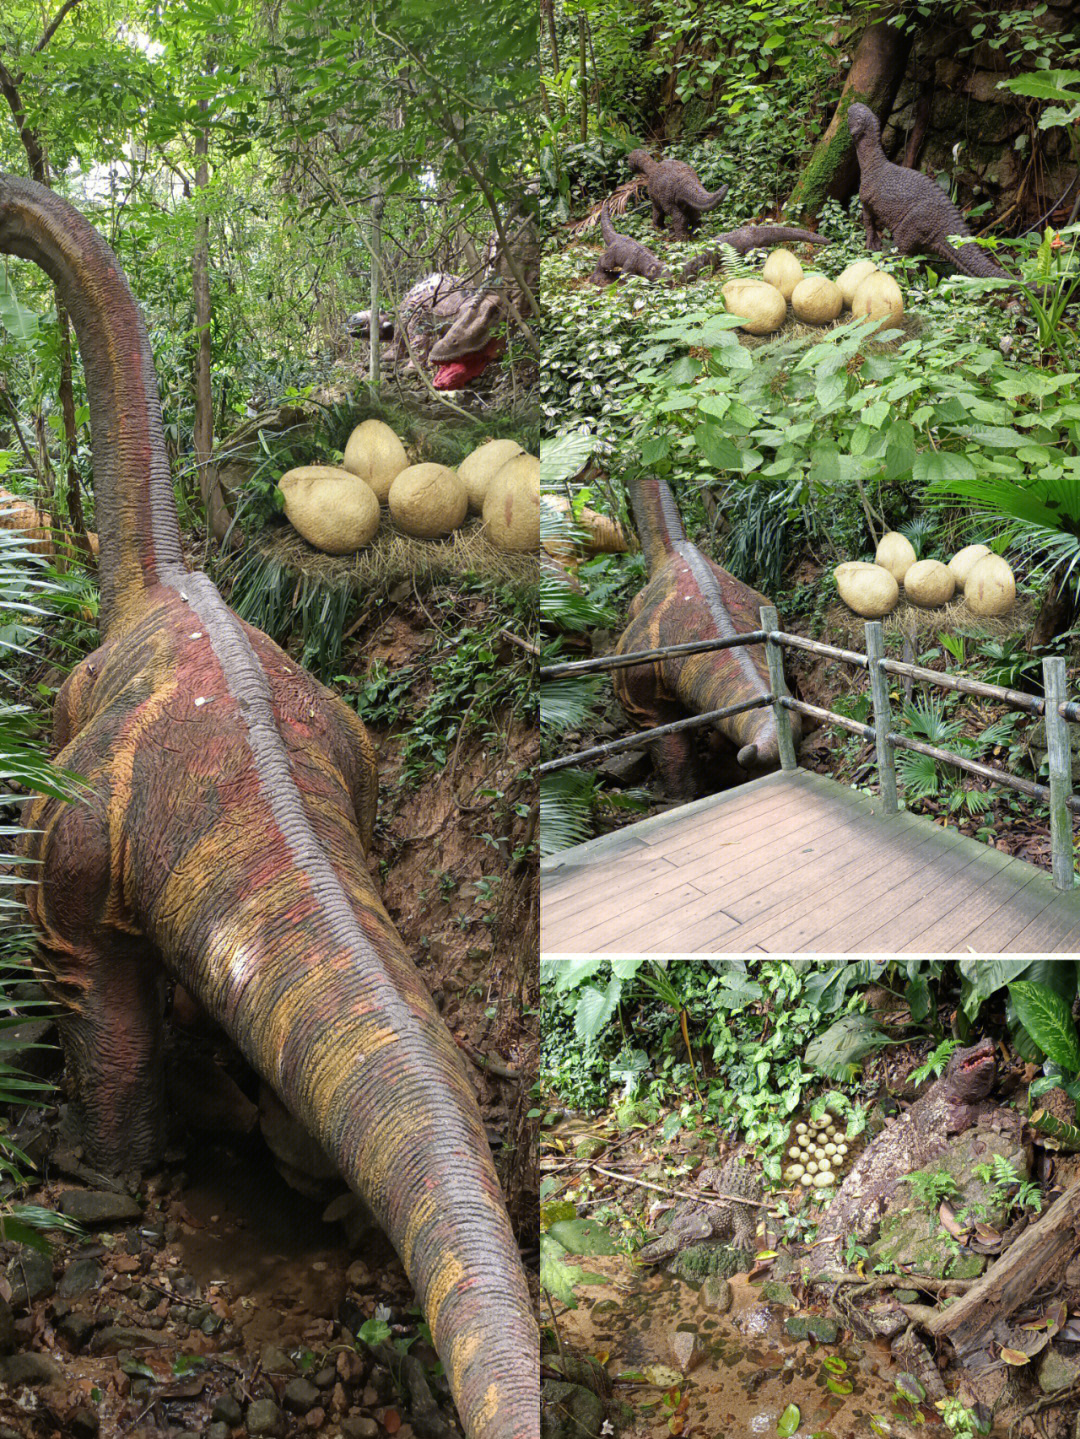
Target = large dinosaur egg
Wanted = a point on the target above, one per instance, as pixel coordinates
(428, 501)
(896, 552)
(762, 307)
(816, 300)
(878, 297)
(849, 280)
(962, 563)
(332, 508)
(512, 505)
(990, 587)
(376, 454)
(478, 469)
(929, 584)
(869, 590)
(783, 271)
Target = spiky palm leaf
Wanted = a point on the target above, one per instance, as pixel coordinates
(567, 799)
(567, 704)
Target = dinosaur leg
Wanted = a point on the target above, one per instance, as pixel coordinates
(673, 756)
(873, 234)
(680, 224)
(658, 216)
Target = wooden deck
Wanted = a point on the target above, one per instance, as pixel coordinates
(796, 863)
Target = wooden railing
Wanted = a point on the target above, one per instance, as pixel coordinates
(1053, 708)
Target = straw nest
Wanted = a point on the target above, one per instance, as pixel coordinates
(909, 324)
(393, 556)
(919, 625)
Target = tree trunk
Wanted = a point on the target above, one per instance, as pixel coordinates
(375, 349)
(832, 171)
(583, 79)
(1055, 613)
(218, 518)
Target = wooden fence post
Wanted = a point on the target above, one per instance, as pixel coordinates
(1059, 754)
(774, 657)
(879, 690)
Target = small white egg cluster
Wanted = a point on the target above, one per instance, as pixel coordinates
(818, 1153)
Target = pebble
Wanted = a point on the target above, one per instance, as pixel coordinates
(31, 1277)
(686, 1349)
(315, 1418)
(218, 1430)
(350, 1366)
(227, 1410)
(716, 1294)
(263, 1417)
(81, 1277)
(300, 1396)
(358, 1275)
(84, 1423)
(325, 1377)
(98, 1206)
(276, 1361)
(76, 1329)
(115, 1337)
(355, 1426)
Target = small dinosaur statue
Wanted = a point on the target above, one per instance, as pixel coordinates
(950, 1105)
(917, 213)
(674, 190)
(745, 238)
(696, 1220)
(625, 254)
(690, 598)
(221, 837)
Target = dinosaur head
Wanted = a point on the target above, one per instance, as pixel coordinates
(971, 1072)
(654, 269)
(862, 122)
(358, 325)
(468, 340)
(640, 160)
(456, 374)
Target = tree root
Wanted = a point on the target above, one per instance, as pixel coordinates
(1045, 1401)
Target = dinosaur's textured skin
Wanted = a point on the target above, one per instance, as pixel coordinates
(745, 238)
(472, 340)
(690, 598)
(694, 1220)
(674, 190)
(427, 308)
(949, 1106)
(622, 253)
(916, 212)
(221, 838)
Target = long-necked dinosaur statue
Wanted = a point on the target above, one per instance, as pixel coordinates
(229, 806)
(688, 597)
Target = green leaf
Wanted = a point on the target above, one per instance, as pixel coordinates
(843, 1044)
(1048, 1019)
(583, 1236)
(788, 1422)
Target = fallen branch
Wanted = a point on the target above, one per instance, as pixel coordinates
(699, 1195)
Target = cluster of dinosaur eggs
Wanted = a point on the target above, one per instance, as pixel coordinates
(817, 1153)
(985, 580)
(814, 298)
(337, 508)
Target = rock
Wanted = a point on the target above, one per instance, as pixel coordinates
(76, 1329)
(227, 1410)
(316, 1418)
(31, 1277)
(623, 769)
(569, 1411)
(1056, 1371)
(84, 1423)
(115, 1337)
(276, 1361)
(19, 1369)
(685, 1349)
(326, 1376)
(98, 1207)
(698, 1261)
(356, 1426)
(264, 1417)
(81, 1277)
(716, 1294)
(812, 1326)
(777, 1292)
(209, 1099)
(300, 1395)
(302, 1163)
(350, 1366)
(218, 1430)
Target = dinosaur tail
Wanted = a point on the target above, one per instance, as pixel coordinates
(136, 510)
(749, 237)
(696, 194)
(357, 1051)
(973, 260)
(657, 518)
(712, 200)
(607, 229)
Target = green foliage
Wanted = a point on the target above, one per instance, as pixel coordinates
(1047, 1017)
(930, 1186)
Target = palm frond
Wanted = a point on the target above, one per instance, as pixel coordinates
(567, 704)
(918, 774)
(567, 801)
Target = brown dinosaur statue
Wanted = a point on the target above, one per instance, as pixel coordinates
(688, 597)
(746, 238)
(473, 340)
(916, 212)
(675, 190)
(222, 839)
(622, 253)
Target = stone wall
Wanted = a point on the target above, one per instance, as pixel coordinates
(977, 136)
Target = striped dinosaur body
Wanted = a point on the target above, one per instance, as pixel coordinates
(689, 598)
(222, 840)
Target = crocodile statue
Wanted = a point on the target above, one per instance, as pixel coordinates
(358, 325)
(622, 253)
(697, 1220)
(916, 212)
(675, 190)
(688, 597)
(952, 1104)
(221, 837)
(744, 239)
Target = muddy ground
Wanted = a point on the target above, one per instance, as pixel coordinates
(213, 1299)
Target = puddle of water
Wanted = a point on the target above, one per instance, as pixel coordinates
(748, 1370)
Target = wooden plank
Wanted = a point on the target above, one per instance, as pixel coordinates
(939, 893)
(949, 932)
(1053, 930)
(998, 933)
(601, 902)
(577, 892)
(616, 929)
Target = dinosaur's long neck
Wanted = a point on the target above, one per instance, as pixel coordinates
(136, 511)
(657, 519)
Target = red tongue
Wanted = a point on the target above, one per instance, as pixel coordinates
(458, 373)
